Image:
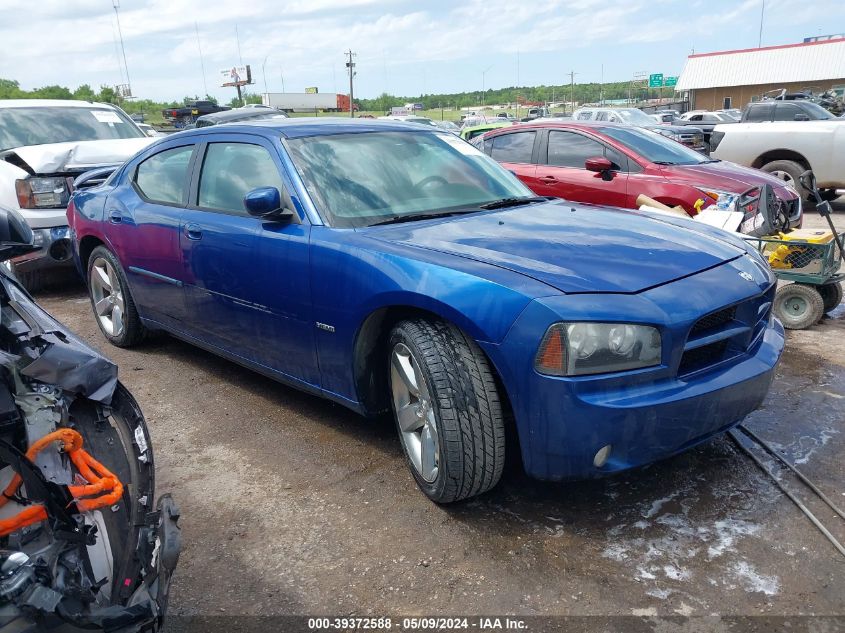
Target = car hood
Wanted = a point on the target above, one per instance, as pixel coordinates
(77, 156)
(725, 176)
(572, 247)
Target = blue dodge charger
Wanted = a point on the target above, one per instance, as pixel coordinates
(394, 267)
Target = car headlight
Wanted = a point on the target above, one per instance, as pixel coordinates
(42, 193)
(576, 349)
(724, 200)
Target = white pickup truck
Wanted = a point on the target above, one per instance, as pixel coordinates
(786, 149)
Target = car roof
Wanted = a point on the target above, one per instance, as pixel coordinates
(300, 127)
(585, 125)
(51, 103)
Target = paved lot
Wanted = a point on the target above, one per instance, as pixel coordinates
(295, 505)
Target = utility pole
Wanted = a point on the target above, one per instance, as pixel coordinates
(264, 73)
(350, 66)
(760, 37)
(202, 63)
(601, 87)
(116, 5)
(483, 73)
(238, 40)
(572, 74)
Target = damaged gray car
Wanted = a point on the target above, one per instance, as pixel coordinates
(83, 545)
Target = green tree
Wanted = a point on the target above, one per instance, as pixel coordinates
(84, 93)
(107, 95)
(10, 89)
(52, 92)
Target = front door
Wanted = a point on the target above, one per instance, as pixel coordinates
(561, 170)
(247, 278)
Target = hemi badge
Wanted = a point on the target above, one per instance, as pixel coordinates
(325, 326)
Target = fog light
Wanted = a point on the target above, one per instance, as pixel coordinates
(601, 457)
(60, 250)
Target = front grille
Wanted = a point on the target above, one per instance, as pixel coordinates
(713, 321)
(703, 357)
(725, 335)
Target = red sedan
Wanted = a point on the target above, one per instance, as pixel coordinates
(611, 165)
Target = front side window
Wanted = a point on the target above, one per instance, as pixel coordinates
(20, 127)
(513, 148)
(360, 179)
(568, 149)
(162, 177)
(230, 171)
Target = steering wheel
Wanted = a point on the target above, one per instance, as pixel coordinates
(430, 180)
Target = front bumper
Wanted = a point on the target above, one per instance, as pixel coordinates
(54, 250)
(647, 414)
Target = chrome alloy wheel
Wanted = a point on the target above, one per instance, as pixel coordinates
(414, 412)
(107, 297)
(785, 176)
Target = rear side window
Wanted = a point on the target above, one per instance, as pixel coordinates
(230, 171)
(513, 148)
(761, 112)
(584, 116)
(162, 177)
(787, 112)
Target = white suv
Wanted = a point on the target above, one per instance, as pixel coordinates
(44, 145)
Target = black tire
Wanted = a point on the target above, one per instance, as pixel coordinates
(793, 169)
(33, 280)
(798, 306)
(831, 295)
(133, 331)
(467, 408)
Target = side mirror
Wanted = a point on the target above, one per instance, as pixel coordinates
(266, 202)
(601, 165)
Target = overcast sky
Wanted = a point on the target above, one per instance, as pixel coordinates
(403, 47)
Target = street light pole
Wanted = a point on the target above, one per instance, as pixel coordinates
(264, 73)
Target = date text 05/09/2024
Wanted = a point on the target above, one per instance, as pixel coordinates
(478, 623)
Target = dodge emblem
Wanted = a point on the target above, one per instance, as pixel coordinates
(746, 276)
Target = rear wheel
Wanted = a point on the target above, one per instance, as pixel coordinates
(112, 302)
(447, 410)
(831, 295)
(798, 306)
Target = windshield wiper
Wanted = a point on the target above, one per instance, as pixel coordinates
(504, 203)
(663, 162)
(398, 219)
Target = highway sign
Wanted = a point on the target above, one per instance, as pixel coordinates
(655, 80)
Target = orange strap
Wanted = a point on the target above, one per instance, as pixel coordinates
(100, 482)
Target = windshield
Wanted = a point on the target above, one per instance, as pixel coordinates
(654, 147)
(816, 111)
(632, 116)
(360, 179)
(21, 127)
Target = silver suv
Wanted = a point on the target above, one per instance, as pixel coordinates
(692, 137)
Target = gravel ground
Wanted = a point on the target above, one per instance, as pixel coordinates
(295, 505)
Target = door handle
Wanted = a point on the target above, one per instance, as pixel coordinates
(115, 216)
(193, 231)
(548, 179)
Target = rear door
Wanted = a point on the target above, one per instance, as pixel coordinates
(247, 287)
(517, 152)
(562, 173)
(143, 217)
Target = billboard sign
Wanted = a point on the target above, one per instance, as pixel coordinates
(311, 91)
(236, 76)
(399, 111)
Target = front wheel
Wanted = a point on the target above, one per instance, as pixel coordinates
(798, 306)
(447, 410)
(112, 302)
